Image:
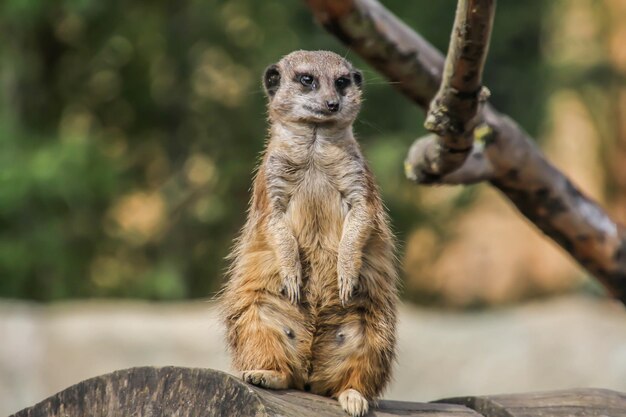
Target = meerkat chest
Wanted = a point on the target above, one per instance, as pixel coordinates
(316, 211)
(317, 206)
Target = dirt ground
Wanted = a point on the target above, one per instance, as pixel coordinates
(552, 344)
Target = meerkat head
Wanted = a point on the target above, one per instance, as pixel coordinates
(313, 87)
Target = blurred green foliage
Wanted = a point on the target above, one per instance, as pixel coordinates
(129, 131)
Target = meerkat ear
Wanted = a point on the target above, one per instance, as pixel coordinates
(357, 76)
(271, 80)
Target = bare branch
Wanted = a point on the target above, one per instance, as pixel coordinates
(511, 161)
(452, 113)
(476, 168)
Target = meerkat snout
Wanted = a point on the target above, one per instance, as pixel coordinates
(332, 105)
(302, 88)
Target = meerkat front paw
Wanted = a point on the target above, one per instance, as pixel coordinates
(353, 403)
(348, 285)
(292, 282)
(266, 379)
(348, 269)
(347, 278)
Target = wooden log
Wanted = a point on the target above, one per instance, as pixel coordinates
(571, 403)
(185, 392)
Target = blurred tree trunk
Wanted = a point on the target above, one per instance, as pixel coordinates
(588, 49)
(615, 148)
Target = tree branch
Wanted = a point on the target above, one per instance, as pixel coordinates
(507, 157)
(452, 113)
(476, 167)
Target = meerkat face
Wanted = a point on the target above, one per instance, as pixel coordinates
(316, 87)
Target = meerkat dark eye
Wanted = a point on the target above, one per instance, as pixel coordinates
(342, 83)
(306, 80)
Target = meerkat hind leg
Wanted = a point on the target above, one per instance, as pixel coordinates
(266, 379)
(353, 402)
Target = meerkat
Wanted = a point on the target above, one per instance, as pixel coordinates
(310, 302)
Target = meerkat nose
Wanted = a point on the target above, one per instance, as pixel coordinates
(333, 106)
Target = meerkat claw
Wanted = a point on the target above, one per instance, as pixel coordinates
(254, 377)
(353, 402)
(266, 379)
(291, 289)
(347, 289)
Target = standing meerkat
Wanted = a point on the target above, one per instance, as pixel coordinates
(311, 298)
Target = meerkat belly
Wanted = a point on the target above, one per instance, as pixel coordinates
(316, 213)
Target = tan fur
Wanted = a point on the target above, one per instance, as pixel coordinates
(311, 297)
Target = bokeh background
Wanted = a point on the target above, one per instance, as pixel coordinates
(129, 131)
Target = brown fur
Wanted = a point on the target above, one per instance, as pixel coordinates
(311, 297)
